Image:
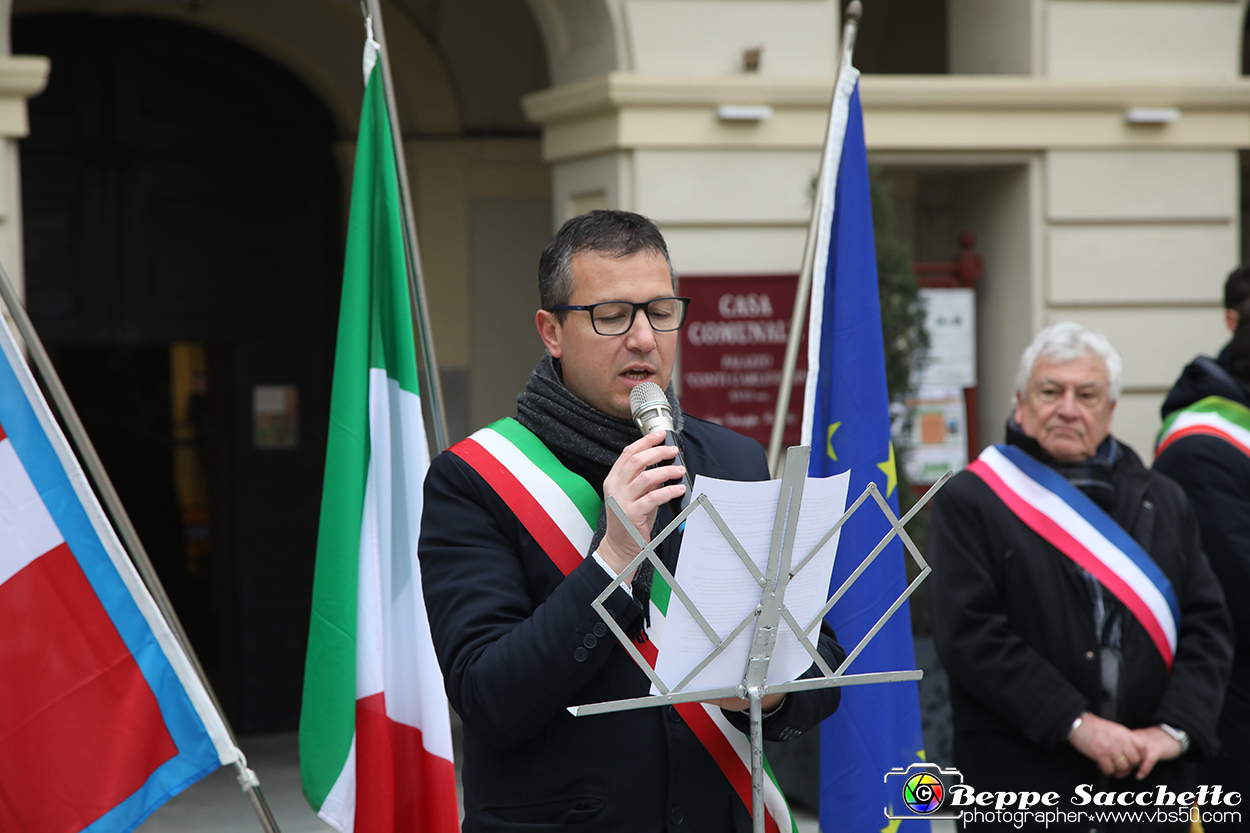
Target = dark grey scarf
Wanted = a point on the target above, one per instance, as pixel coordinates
(567, 424)
(594, 440)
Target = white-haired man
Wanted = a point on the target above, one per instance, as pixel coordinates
(1084, 633)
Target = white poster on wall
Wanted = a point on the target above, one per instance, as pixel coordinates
(950, 319)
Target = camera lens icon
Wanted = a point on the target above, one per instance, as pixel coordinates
(922, 793)
(925, 788)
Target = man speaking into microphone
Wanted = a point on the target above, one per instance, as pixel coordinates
(516, 543)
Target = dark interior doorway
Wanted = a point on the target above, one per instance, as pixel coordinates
(183, 257)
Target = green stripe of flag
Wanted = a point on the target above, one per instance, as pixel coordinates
(375, 244)
(660, 593)
(375, 330)
(1234, 412)
(583, 495)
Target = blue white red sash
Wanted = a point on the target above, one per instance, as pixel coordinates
(1076, 526)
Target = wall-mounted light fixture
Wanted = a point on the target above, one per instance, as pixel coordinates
(744, 112)
(1152, 115)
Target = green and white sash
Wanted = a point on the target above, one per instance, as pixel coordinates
(1214, 416)
(560, 510)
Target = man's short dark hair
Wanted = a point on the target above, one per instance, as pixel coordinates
(606, 232)
(1237, 289)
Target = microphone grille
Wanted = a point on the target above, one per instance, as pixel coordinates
(648, 394)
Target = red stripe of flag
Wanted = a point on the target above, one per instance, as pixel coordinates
(80, 730)
(1046, 527)
(387, 752)
(1189, 431)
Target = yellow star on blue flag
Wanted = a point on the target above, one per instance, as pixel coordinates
(829, 441)
(891, 473)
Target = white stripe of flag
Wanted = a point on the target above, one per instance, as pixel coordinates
(1189, 419)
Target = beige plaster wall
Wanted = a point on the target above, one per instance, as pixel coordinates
(588, 38)
(1138, 244)
(483, 216)
(1156, 39)
(506, 236)
(584, 38)
(728, 211)
(702, 37)
(1000, 205)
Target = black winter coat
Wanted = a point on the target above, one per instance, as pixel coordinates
(1216, 477)
(1014, 627)
(511, 633)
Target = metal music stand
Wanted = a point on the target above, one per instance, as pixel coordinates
(767, 614)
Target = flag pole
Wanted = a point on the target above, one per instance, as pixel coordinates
(416, 284)
(854, 11)
(125, 529)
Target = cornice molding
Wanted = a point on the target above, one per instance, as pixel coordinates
(23, 75)
(620, 91)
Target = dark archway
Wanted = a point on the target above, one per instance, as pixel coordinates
(183, 255)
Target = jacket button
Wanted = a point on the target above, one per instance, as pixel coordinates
(676, 816)
(600, 629)
(673, 714)
(1089, 654)
(590, 640)
(580, 654)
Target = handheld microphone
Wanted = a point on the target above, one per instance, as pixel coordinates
(651, 412)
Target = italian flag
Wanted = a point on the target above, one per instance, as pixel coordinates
(375, 736)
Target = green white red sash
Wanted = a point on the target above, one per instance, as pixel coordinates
(560, 510)
(1076, 526)
(1214, 416)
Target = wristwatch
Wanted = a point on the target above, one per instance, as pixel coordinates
(1178, 735)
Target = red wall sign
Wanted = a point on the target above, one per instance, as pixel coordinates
(732, 350)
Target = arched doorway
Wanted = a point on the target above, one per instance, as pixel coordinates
(183, 253)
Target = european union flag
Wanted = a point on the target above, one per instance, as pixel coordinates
(847, 423)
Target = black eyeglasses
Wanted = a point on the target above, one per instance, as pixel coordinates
(614, 318)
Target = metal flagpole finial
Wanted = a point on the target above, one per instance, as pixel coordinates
(854, 10)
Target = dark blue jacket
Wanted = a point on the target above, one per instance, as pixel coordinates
(1216, 477)
(1013, 622)
(508, 626)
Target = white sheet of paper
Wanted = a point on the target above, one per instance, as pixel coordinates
(724, 591)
